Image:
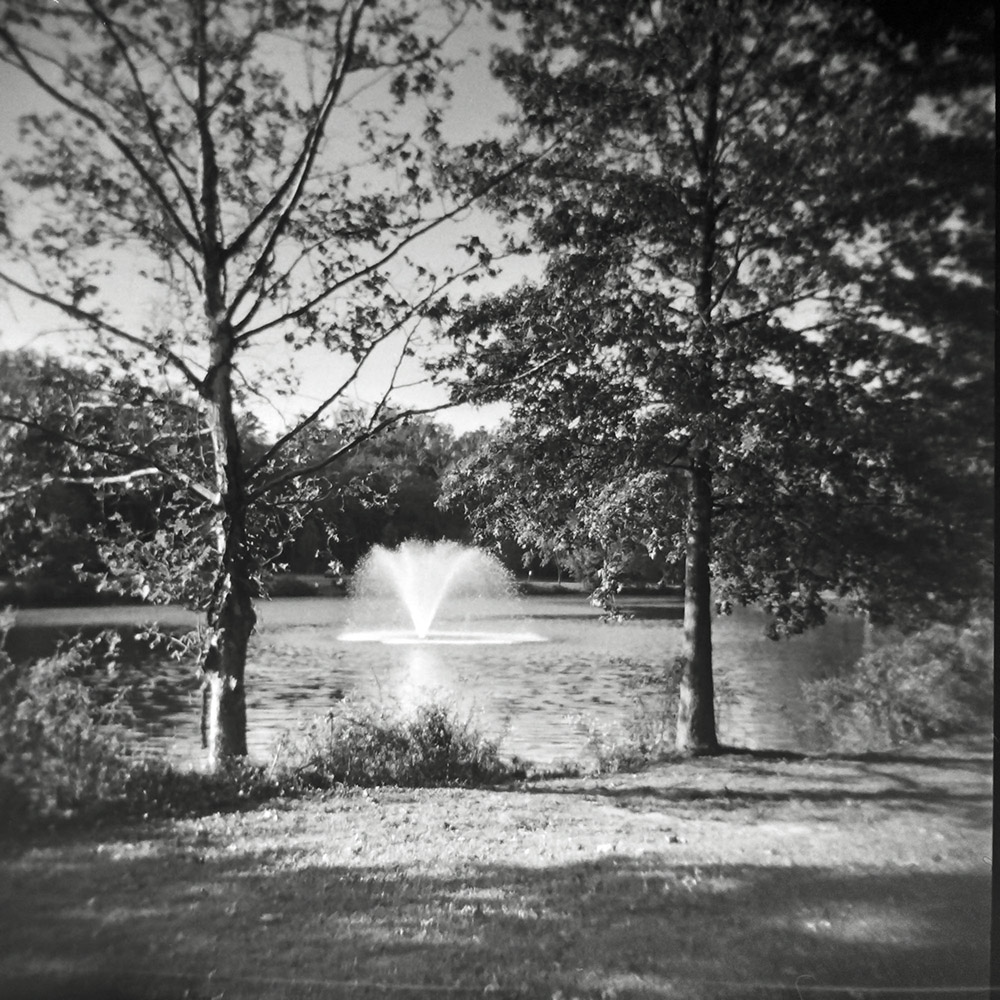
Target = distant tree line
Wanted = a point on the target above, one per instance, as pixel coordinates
(56, 529)
(59, 527)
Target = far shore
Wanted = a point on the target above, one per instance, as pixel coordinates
(58, 596)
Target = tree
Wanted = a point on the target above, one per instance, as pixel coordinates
(75, 502)
(385, 491)
(755, 251)
(518, 488)
(201, 186)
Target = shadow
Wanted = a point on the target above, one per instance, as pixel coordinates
(938, 799)
(927, 760)
(976, 754)
(199, 922)
(780, 781)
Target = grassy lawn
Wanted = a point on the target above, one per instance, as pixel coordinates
(744, 876)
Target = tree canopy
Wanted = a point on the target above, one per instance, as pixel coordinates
(767, 283)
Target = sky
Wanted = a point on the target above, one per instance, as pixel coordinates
(478, 102)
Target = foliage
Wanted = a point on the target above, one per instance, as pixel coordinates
(384, 491)
(85, 507)
(739, 276)
(937, 682)
(513, 487)
(59, 749)
(78, 530)
(360, 743)
(646, 733)
(150, 787)
(67, 753)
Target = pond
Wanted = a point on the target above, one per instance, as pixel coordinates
(533, 694)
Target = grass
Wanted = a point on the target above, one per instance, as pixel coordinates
(742, 876)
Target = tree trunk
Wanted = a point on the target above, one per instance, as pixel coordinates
(224, 714)
(696, 702)
(696, 706)
(231, 616)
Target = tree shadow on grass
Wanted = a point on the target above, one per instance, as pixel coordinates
(968, 752)
(777, 779)
(972, 807)
(265, 926)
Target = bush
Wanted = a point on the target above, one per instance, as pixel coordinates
(359, 743)
(59, 750)
(65, 751)
(937, 682)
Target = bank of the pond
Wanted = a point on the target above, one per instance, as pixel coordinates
(740, 876)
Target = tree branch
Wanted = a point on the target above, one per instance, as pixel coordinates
(46, 480)
(112, 29)
(96, 323)
(376, 429)
(339, 392)
(189, 481)
(294, 184)
(404, 242)
(356, 442)
(102, 126)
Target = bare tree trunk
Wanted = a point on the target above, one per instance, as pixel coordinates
(696, 707)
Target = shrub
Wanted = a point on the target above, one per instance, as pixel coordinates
(647, 733)
(937, 682)
(359, 743)
(59, 750)
(65, 751)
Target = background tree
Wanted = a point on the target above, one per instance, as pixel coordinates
(204, 189)
(385, 491)
(87, 505)
(760, 275)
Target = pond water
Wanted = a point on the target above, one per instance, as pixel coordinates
(532, 694)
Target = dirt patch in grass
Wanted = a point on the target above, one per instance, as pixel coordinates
(743, 876)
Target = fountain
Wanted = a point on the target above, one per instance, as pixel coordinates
(418, 592)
